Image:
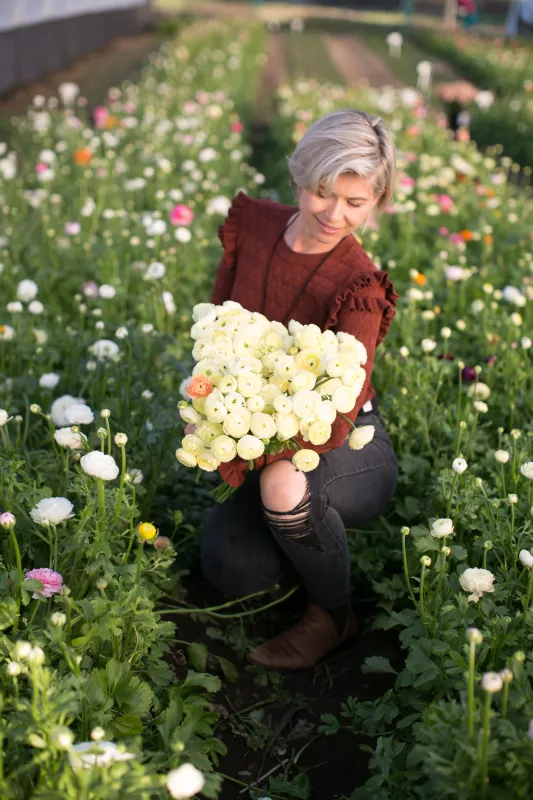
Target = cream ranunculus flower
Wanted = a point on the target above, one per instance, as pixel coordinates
(307, 336)
(234, 400)
(527, 470)
(361, 436)
(442, 527)
(319, 433)
(184, 782)
(285, 367)
(326, 389)
(343, 398)
(283, 383)
(305, 403)
(250, 447)
(271, 341)
(255, 403)
(237, 423)
(99, 465)
(283, 404)
(263, 426)
(269, 392)
(227, 384)
(303, 380)
(306, 460)
(337, 364)
(215, 410)
(249, 384)
(203, 309)
(224, 448)
(326, 412)
(329, 343)
(185, 458)
(202, 349)
(208, 461)
(502, 456)
(192, 444)
(479, 390)
(245, 344)
(311, 360)
(526, 559)
(288, 425)
(190, 415)
(349, 344)
(477, 581)
(207, 431)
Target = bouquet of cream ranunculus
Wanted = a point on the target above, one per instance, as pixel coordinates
(259, 388)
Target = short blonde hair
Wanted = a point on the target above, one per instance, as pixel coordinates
(345, 141)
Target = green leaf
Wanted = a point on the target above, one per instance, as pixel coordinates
(458, 552)
(8, 612)
(208, 682)
(299, 787)
(228, 668)
(197, 656)
(377, 664)
(127, 725)
(32, 585)
(427, 544)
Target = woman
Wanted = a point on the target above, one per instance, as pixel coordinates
(304, 263)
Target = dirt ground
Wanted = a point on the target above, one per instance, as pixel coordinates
(356, 62)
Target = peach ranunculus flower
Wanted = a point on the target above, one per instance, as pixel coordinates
(199, 386)
(82, 156)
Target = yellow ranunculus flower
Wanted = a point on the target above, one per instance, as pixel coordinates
(319, 433)
(306, 460)
(224, 448)
(192, 444)
(147, 531)
(185, 458)
(361, 436)
(250, 447)
(208, 461)
(311, 360)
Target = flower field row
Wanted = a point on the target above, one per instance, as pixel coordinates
(108, 241)
(506, 72)
(454, 564)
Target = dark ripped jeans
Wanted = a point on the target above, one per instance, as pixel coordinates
(247, 548)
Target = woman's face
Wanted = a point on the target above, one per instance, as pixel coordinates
(328, 219)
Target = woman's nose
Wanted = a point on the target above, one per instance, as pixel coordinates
(334, 211)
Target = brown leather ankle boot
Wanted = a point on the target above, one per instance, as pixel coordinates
(300, 647)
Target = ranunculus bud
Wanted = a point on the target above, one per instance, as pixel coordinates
(58, 619)
(405, 531)
(7, 520)
(501, 456)
(491, 682)
(526, 559)
(425, 561)
(513, 499)
(105, 413)
(121, 439)
(474, 635)
(446, 551)
(162, 543)
(506, 675)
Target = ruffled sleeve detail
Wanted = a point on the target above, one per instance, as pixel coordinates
(358, 296)
(228, 231)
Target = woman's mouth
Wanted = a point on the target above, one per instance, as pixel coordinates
(328, 228)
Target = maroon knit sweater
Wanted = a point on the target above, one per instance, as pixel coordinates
(347, 294)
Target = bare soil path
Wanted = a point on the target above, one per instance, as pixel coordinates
(357, 62)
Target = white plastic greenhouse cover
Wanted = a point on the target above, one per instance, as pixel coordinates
(20, 13)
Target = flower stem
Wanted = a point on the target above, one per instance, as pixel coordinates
(139, 562)
(448, 508)
(471, 672)
(18, 591)
(230, 616)
(505, 698)
(485, 745)
(121, 487)
(406, 572)
(421, 605)
(527, 602)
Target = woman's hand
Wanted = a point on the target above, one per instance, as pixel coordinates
(190, 428)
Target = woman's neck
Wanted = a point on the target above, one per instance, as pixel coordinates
(299, 240)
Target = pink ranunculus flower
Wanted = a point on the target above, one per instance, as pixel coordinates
(407, 181)
(100, 115)
(40, 167)
(456, 238)
(72, 228)
(445, 202)
(129, 107)
(181, 215)
(443, 231)
(52, 581)
(7, 519)
(237, 127)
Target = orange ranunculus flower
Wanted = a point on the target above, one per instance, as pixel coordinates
(111, 121)
(199, 386)
(467, 235)
(82, 156)
(488, 239)
(491, 193)
(420, 279)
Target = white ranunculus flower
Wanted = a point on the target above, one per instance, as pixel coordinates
(477, 581)
(250, 447)
(185, 458)
(502, 456)
(249, 384)
(96, 754)
(27, 290)
(99, 465)
(442, 527)
(356, 349)
(66, 438)
(255, 403)
(428, 345)
(105, 348)
(156, 270)
(185, 782)
(106, 291)
(59, 406)
(49, 380)
(234, 400)
(52, 510)
(283, 404)
(263, 426)
(305, 403)
(208, 431)
(207, 461)
(68, 91)
(308, 336)
(190, 415)
(319, 432)
(4, 417)
(343, 398)
(326, 412)
(479, 390)
(285, 367)
(306, 460)
(492, 682)
(224, 448)
(459, 465)
(288, 425)
(192, 444)
(214, 409)
(480, 406)
(227, 384)
(337, 364)
(7, 333)
(326, 389)
(303, 380)
(527, 470)
(237, 423)
(201, 309)
(78, 414)
(526, 559)
(361, 436)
